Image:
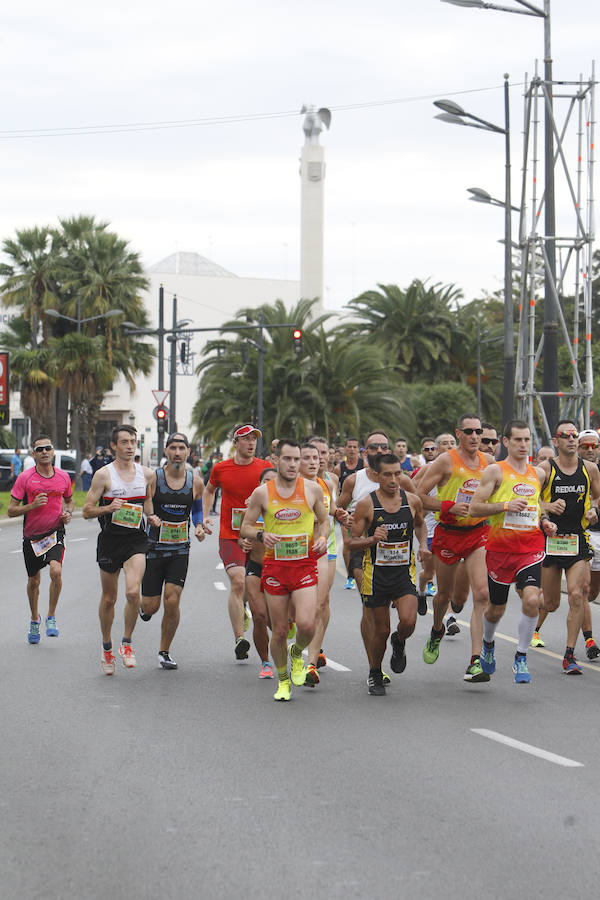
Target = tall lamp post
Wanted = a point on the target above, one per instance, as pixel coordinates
(456, 115)
(550, 378)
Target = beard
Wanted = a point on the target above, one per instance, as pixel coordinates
(372, 459)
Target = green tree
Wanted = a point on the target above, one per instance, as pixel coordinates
(440, 405)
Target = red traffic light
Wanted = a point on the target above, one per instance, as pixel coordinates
(297, 334)
(161, 413)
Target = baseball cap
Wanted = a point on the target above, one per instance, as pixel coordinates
(588, 433)
(245, 430)
(177, 436)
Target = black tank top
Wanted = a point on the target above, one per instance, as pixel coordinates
(575, 491)
(382, 563)
(173, 507)
(345, 471)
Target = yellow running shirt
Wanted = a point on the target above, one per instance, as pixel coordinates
(512, 532)
(292, 519)
(461, 486)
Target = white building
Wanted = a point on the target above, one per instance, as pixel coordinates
(208, 296)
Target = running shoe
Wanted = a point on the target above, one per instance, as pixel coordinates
(571, 666)
(430, 589)
(266, 670)
(398, 660)
(487, 658)
(386, 678)
(475, 673)
(520, 669)
(321, 660)
(108, 663)
(422, 604)
(241, 648)
(291, 631)
(376, 685)
(431, 650)
(592, 650)
(165, 660)
(536, 640)
(127, 656)
(34, 632)
(247, 618)
(284, 690)
(51, 629)
(452, 626)
(298, 672)
(350, 584)
(145, 617)
(312, 677)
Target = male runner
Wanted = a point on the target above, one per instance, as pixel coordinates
(488, 440)
(429, 451)
(37, 494)
(407, 463)
(383, 530)
(118, 498)
(237, 478)
(256, 598)
(173, 488)
(349, 466)
(509, 493)
(571, 484)
(545, 452)
(458, 535)
(289, 505)
(444, 442)
(589, 448)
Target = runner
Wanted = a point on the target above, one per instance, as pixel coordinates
(43, 495)
(458, 535)
(173, 488)
(589, 445)
(383, 531)
(445, 441)
(256, 598)
(545, 452)
(118, 498)
(289, 505)
(237, 477)
(352, 464)
(429, 452)
(488, 441)
(509, 493)
(571, 484)
(407, 462)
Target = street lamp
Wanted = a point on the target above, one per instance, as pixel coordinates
(455, 114)
(55, 314)
(481, 196)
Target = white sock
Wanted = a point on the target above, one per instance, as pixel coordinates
(489, 630)
(526, 628)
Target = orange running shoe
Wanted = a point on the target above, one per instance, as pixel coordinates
(108, 662)
(127, 656)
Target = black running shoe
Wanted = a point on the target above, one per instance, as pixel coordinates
(452, 626)
(241, 648)
(398, 660)
(422, 604)
(165, 660)
(144, 616)
(376, 685)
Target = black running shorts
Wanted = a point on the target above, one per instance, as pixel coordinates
(166, 568)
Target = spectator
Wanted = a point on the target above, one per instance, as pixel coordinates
(86, 472)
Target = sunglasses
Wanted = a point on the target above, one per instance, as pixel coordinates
(375, 446)
(472, 430)
(565, 435)
(492, 441)
(427, 449)
(42, 449)
(589, 446)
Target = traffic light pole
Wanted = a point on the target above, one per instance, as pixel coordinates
(173, 374)
(161, 362)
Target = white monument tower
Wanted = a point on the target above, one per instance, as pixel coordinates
(312, 177)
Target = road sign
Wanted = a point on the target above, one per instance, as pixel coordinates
(160, 396)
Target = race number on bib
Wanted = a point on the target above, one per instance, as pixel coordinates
(236, 519)
(292, 546)
(464, 496)
(173, 532)
(44, 544)
(562, 545)
(397, 554)
(524, 520)
(128, 516)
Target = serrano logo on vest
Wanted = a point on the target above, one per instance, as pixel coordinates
(288, 515)
(523, 490)
(471, 484)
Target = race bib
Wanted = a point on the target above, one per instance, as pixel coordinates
(128, 516)
(173, 532)
(464, 496)
(236, 518)
(292, 546)
(397, 554)
(44, 544)
(327, 500)
(525, 520)
(562, 545)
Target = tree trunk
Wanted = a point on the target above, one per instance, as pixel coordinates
(62, 413)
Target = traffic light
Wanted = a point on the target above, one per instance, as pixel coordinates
(297, 338)
(160, 413)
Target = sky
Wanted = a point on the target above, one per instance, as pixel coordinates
(396, 204)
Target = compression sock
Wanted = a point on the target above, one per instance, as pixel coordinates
(489, 630)
(527, 625)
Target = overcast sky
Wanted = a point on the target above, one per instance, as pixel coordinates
(396, 203)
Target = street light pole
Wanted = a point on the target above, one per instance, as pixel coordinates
(550, 376)
(260, 384)
(173, 374)
(160, 449)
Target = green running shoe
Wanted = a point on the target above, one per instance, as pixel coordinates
(475, 673)
(298, 672)
(283, 690)
(431, 650)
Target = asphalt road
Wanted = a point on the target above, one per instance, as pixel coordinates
(195, 784)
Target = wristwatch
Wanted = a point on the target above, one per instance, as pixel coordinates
(259, 536)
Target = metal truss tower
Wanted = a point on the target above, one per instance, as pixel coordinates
(570, 106)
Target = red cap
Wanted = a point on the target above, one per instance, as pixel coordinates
(245, 430)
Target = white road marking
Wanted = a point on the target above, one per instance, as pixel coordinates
(75, 540)
(220, 586)
(527, 748)
(16, 551)
(219, 566)
(338, 667)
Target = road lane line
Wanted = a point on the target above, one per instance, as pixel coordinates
(16, 551)
(527, 748)
(220, 586)
(338, 667)
(75, 540)
(219, 566)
